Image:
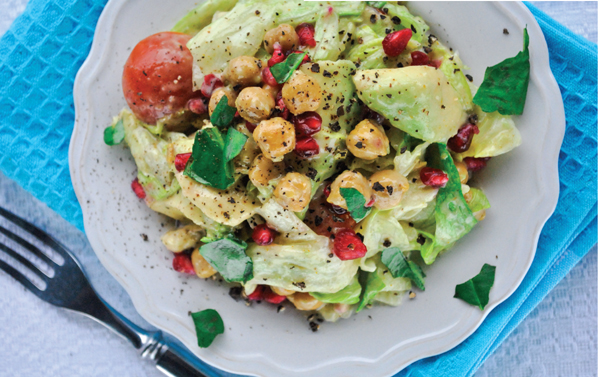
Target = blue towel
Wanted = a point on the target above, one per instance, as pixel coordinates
(46, 45)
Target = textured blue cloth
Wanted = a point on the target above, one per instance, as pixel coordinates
(46, 45)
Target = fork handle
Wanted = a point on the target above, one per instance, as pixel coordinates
(173, 363)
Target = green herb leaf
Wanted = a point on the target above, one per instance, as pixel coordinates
(355, 201)
(400, 267)
(234, 144)
(476, 291)
(504, 86)
(284, 70)
(114, 135)
(208, 324)
(223, 114)
(228, 257)
(372, 284)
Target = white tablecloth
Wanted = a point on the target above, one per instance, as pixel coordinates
(36, 339)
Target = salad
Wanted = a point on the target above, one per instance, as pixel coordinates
(319, 153)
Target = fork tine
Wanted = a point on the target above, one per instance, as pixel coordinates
(34, 250)
(19, 277)
(23, 261)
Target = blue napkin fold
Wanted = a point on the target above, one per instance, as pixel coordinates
(42, 51)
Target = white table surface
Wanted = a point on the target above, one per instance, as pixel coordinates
(559, 338)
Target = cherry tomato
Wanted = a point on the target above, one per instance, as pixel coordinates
(157, 78)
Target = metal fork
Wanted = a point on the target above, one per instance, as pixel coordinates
(69, 288)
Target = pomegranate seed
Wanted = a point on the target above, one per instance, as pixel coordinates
(181, 161)
(338, 210)
(306, 147)
(475, 164)
(183, 263)
(435, 63)
(395, 43)
(285, 113)
(136, 186)
(462, 140)
(257, 294)
(419, 58)
(306, 34)
(433, 177)
(278, 55)
(272, 297)
(196, 105)
(211, 82)
(348, 246)
(307, 124)
(327, 190)
(250, 126)
(370, 203)
(268, 78)
(263, 235)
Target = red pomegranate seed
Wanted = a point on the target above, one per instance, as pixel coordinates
(327, 190)
(196, 105)
(348, 246)
(307, 124)
(435, 63)
(251, 126)
(263, 235)
(257, 294)
(462, 140)
(419, 58)
(183, 263)
(306, 34)
(370, 203)
(181, 161)
(136, 186)
(475, 164)
(306, 147)
(211, 82)
(272, 297)
(285, 113)
(395, 43)
(278, 55)
(268, 78)
(433, 177)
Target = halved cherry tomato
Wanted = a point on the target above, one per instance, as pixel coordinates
(157, 78)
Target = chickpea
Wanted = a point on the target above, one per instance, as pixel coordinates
(244, 71)
(301, 94)
(275, 137)
(183, 238)
(272, 90)
(285, 35)
(254, 104)
(368, 141)
(349, 179)
(462, 171)
(304, 301)
(282, 291)
(479, 215)
(216, 97)
(264, 170)
(293, 192)
(388, 188)
(201, 266)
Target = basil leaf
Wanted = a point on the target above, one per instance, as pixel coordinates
(476, 291)
(372, 284)
(504, 86)
(228, 257)
(400, 267)
(223, 114)
(208, 325)
(234, 144)
(208, 164)
(284, 70)
(114, 135)
(355, 201)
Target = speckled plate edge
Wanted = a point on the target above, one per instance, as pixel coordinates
(404, 353)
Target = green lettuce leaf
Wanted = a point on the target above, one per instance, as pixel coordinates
(504, 87)
(372, 284)
(208, 324)
(201, 16)
(497, 135)
(381, 286)
(479, 201)
(476, 291)
(229, 258)
(349, 295)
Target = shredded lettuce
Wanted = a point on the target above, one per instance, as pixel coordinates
(381, 281)
(479, 201)
(199, 17)
(349, 295)
(497, 135)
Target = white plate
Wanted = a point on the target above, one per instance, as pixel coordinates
(522, 187)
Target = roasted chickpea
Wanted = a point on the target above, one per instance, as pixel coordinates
(468, 196)
(276, 137)
(293, 192)
(462, 171)
(264, 170)
(388, 188)
(272, 90)
(254, 104)
(301, 93)
(304, 301)
(183, 238)
(284, 34)
(368, 141)
(349, 179)
(201, 266)
(282, 291)
(244, 71)
(216, 97)
(479, 215)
